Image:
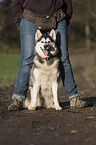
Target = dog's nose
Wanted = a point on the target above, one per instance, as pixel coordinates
(46, 46)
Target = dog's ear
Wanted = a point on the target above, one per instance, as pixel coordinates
(38, 35)
(53, 34)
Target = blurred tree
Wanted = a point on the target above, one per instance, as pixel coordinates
(9, 34)
(83, 22)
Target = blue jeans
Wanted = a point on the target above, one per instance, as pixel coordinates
(27, 38)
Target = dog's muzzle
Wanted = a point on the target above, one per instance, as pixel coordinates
(46, 49)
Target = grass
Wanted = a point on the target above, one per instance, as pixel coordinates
(9, 64)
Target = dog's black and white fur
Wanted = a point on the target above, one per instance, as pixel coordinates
(44, 74)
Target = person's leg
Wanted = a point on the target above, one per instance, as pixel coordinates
(65, 66)
(27, 39)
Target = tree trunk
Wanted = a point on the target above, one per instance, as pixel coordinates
(87, 37)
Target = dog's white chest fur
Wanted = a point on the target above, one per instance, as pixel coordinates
(46, 73)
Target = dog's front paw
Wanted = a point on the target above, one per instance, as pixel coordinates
(58, 108)
(30, 107)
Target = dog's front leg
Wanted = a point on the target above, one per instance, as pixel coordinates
(34, 97)
(55, 95)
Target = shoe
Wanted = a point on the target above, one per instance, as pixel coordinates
(16, 105)
(76, 102)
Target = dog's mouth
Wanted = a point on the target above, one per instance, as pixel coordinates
(45, 51)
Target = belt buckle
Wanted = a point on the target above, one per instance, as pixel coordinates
(47, 17)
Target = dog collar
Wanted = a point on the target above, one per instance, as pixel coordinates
(45, 58)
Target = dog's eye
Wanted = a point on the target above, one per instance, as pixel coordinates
(41, 41)
(48, 41)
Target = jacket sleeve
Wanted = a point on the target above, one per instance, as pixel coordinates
(68, 9)
(17, 10)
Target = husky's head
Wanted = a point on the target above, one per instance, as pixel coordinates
(45, 44)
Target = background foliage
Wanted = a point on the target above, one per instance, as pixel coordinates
(9, 37)
(83, 24)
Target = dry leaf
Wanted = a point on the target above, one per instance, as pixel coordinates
(90, 117)
(73, 131)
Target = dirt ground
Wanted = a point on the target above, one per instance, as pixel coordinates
(51, 127)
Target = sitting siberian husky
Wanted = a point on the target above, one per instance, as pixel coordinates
(44, 74)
